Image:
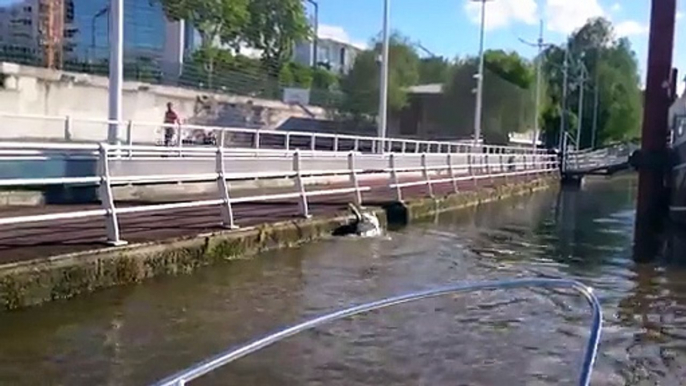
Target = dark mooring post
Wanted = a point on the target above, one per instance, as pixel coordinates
(651, 209)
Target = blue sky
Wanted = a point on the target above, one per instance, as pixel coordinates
(451, 27)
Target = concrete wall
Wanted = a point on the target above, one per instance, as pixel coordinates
(39, 91)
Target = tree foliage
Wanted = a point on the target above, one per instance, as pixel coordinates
(434, 70)
(217, 21)
(612, 67)
(508, 96)
(361, 85)
(274, 27)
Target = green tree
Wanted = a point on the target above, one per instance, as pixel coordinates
(508, 97)
(361, 85)
(215, 20)
(612, 70)
(323, 79)
(434, 70)
(274, 27)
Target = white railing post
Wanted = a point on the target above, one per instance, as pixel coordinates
(313, 142)
(107, 198)
(470, 165)
(300, 185)
(335, 143)
(356, 145)
(427, 177)
(500, 152)
(179, 139)
(352, 165)
(394, 178)
(129, 138)
(223, 188)
(503, 164)
(67, 128)
(451, 170)
(222, 138)
(257, 139)
(417, 145)
(403, 147)
(288, 141)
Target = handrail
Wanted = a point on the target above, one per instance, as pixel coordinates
(224, 166)
(224, 358)
(387, 144)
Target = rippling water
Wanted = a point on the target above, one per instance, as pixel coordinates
(136, 335)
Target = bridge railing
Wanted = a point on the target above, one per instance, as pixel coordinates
(105, 167)
(597, 159)
(77, 129)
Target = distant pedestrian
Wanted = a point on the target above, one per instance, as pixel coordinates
(170, 120)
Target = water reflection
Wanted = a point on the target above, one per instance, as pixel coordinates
(138, 334)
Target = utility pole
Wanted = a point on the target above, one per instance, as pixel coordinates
(563, 113)
(540, 44)
(116, 75)
(539, 70)
(580, 124)
(596, 102)
(480, 76)
(383, 87)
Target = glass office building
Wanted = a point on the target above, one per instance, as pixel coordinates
(88, 20)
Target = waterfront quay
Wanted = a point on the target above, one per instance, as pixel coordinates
(226, 203)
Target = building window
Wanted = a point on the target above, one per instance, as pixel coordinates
(342, 57)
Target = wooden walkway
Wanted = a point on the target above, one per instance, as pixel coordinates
(43, 239)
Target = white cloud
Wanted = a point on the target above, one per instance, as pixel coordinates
(502, 13)
(679, 15)
(565, 16)
(630, 28)
(616, 7)
(338, 34)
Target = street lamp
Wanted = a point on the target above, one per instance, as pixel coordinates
(383, 86)
(116, 73)
(480, 75)
(315, 42)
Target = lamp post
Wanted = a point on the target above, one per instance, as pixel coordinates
(383, 86)
(315, 41)
(116, 73)
(99, 14)
(480, 75)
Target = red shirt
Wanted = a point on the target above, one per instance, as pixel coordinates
(170, 117)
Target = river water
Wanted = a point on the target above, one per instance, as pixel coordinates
(139, 334)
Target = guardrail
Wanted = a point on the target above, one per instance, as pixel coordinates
(68, 128)
(119, 165)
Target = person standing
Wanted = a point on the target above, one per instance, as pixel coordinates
(171, 119)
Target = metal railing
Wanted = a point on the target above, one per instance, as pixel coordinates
(108, 166)
(596, 159)
(68, 128)
(227, 357)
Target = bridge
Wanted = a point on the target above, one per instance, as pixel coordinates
(603, 162)
(101, 194)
